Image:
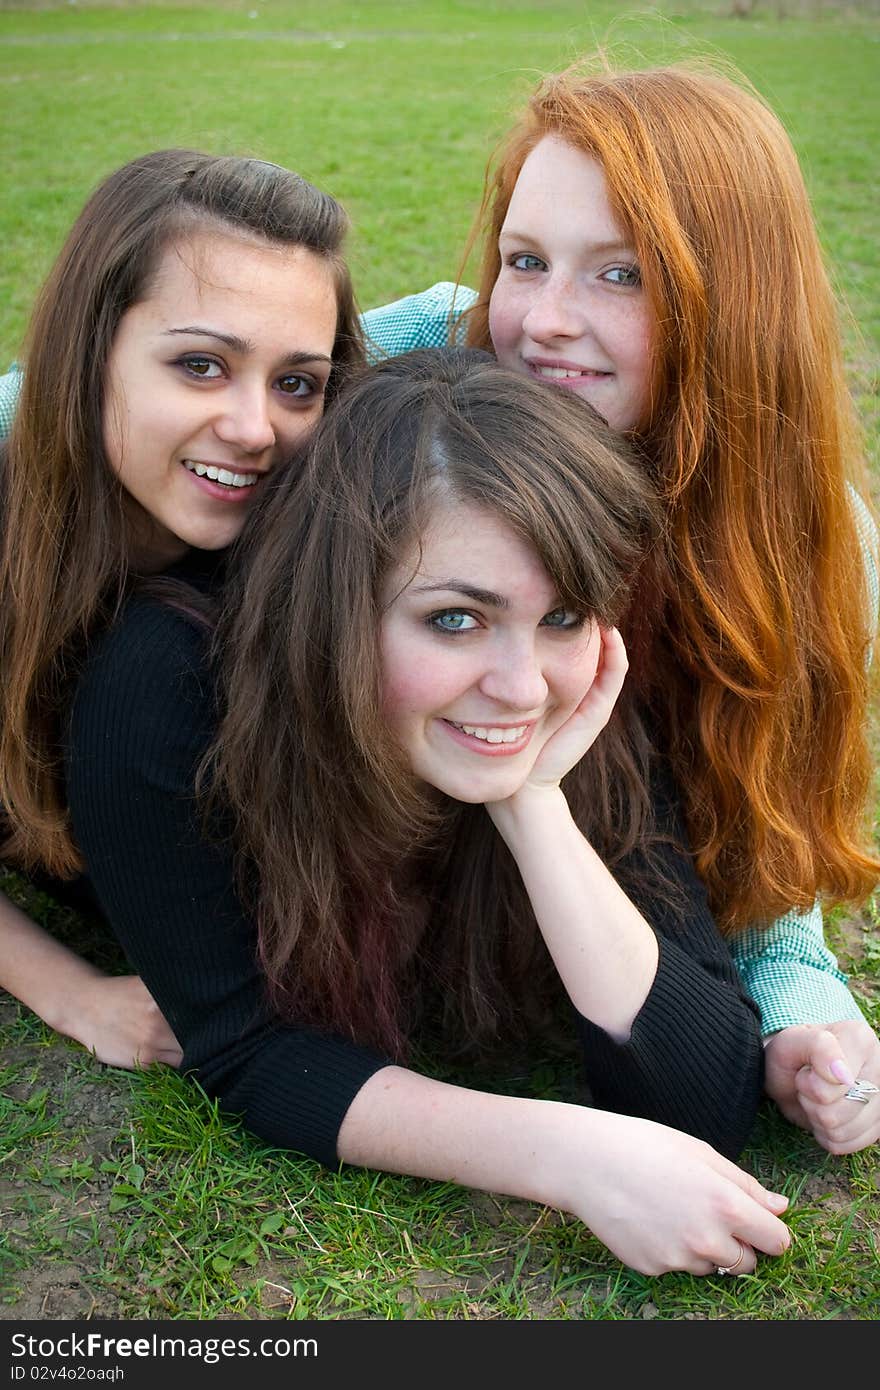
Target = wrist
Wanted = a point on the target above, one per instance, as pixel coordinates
(576, 1144)
(527, 809)
(69, 1002)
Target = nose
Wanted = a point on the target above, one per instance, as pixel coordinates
(515, 677)
(555, 312)
(245, 419)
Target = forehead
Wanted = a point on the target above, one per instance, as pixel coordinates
(235, 277)
(556, 177)
(471, 543)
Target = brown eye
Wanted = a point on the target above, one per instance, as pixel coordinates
(299, 386)
(203, 367)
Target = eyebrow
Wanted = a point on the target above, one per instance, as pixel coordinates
(602, 247)
(245, 346)
(458, 586)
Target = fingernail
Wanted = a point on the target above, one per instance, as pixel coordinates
(841, 1071)
(779, 1200)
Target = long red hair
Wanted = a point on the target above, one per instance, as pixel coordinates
(760, 661)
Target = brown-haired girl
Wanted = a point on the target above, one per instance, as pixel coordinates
(417, 648)
(195, 321)
(650, 247)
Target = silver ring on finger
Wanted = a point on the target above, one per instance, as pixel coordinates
(731, 1269)
(861, 1091)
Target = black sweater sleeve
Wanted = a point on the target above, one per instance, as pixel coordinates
(141, 720)
(694, 1058)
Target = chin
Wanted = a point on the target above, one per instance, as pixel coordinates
(479, 791)
(213, 539)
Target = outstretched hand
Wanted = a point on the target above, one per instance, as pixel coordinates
(580, 731)
(809, 1069)
(662, 1200)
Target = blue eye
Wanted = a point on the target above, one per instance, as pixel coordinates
(452, 620)
(627, 275)
(526, 261)
(563, 618)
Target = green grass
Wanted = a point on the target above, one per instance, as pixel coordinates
(129, 1196)
(394, 108)
(182, 1215)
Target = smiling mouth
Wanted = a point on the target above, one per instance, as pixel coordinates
(563, 374)
(491, 740)
(488, 733)
(225, 476)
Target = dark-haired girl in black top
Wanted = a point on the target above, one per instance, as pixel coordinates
(410, 785)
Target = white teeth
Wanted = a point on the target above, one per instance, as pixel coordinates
(493, 735)
(221, 475)
(564, 373)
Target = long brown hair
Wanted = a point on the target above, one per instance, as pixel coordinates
(367, 892)
(759, 670)
(65, 545)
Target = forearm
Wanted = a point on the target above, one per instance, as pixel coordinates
(658, 1199)
(694, 1058)
(789, 971)
(604, 950)
(667, 1034)
(402, 1122)
(36, 969)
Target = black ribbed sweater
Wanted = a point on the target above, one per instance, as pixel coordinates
(142, 717)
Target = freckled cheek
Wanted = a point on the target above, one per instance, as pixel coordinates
(639, 334)
(506, 314)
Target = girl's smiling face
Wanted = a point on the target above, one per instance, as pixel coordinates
(212, 378)
(568, 305)
(480, 662)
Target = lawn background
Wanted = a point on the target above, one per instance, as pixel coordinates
(127, 1196)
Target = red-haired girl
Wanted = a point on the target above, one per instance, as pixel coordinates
(649, 245)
